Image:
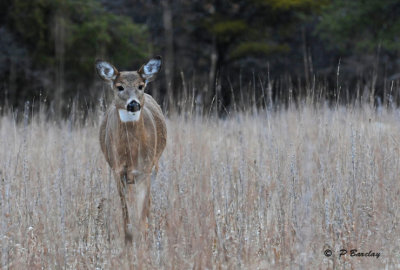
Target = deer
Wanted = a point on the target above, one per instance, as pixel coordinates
(133, 135)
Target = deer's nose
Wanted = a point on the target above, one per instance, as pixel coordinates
(133, 106)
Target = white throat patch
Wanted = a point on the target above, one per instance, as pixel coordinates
(126, 116)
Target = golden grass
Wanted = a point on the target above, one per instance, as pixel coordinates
(266, 191)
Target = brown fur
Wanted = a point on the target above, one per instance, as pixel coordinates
(132, 149)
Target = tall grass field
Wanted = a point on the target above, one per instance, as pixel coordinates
(295, 188)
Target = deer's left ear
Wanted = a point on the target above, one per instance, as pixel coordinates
(150, 69)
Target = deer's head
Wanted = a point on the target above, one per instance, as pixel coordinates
(129, 86)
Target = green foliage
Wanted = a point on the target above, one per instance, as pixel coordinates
(254, 48)
(363, 25)
(257, 27)
(304, 5)
(76, 32)
(229, 28)
(103, 34)
(30, 21)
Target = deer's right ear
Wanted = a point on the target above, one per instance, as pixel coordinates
(106, 71)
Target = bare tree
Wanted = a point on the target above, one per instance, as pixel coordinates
(169, 54)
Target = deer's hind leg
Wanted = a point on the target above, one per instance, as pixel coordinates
(142, 201)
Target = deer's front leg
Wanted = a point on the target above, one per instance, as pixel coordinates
(141, 202)
(122, 186)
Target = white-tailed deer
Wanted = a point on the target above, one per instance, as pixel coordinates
(133, 136)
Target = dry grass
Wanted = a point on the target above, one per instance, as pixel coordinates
(257, 192)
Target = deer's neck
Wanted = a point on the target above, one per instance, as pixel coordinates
(131, 122)
(126, 117)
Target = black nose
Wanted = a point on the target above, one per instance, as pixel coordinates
(134, 106)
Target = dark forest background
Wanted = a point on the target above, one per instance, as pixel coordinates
(216, 53)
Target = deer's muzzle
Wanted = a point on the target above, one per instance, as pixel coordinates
(133, 106)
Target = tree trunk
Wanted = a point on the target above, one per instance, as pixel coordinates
(169, 53)
(60, 52)
(305, 58)
(210, 90)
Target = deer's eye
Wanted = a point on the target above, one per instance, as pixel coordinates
(141, 87)
(120, 87)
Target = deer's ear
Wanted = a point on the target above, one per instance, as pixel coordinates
(150, 69)
(106, 71)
